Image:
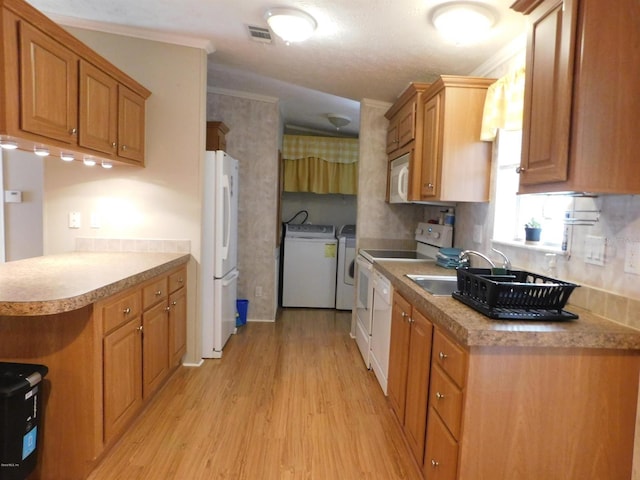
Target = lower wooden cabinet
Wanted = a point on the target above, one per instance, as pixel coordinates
(409, 369)
(177, 326)
(155, 348)
(144, 339)
(441, 453)
(122, 376)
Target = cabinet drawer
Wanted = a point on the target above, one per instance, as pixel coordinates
(446, 399)
(121, 309)
(154, 292)
(450, 357)
(177, 279)
(441, 451)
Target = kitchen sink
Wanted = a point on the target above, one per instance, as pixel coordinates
(438, 285)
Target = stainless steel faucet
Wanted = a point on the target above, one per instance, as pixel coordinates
(506, 263)
(465, 262)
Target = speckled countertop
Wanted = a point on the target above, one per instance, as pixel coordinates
(61, 283)
(473, 329)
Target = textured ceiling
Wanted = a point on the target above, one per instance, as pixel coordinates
(361, 48)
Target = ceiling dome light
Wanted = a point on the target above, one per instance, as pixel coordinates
(463, 23)
(8, 144)
(290, 25)
(41, 151)
(338, 120)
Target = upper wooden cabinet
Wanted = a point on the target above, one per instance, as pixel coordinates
(404, 134)
(216, 136)
(439, 125)
(455, 164)
(582, 97)
(48, 86)
(61, 94)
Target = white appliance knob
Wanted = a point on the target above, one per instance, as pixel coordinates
(436, 235)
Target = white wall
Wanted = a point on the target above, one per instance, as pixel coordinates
(326, 209)
(161, 201)
(23, 171)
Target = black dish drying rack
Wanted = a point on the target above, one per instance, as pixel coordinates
(514, 294)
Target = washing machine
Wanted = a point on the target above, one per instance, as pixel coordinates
(310, 263)
(345, 279)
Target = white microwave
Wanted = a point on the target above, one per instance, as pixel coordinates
(399, 179)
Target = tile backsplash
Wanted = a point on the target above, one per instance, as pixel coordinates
(96, 244)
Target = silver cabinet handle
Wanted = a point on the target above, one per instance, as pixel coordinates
(126, 311)
(442, 356)
(124, 147)
(439, 395)
(73, 131)
(139, 328)
(158, 293)
(520, 169)
(434, 463)
(114, 144)
(167, 309)
(174, 303)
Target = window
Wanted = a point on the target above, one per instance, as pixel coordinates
(513, 211)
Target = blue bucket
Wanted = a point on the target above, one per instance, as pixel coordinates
(242, 306)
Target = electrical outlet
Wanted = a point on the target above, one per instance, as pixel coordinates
(74, 220)
(594, 248)
(632, 258)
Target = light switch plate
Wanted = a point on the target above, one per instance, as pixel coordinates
(632, 258)
(594, 250)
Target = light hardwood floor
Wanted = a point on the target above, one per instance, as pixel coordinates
(290, 400)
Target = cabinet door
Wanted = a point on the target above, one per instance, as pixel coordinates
(407, 124)
(98, 119)
(155, 347)
(399, 354)
(419, 366)
(131, 123)
(122, 377)
(548, 92)
(431, 147)
(392, 136)
(49, 86)
(441, 451)
(177, 326)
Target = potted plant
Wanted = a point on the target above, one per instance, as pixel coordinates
(532, 230)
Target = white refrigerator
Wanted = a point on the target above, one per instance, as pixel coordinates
(218, 286)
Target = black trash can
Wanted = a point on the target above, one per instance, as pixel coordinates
(20, 415)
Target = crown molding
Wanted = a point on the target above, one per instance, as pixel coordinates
(143, 33)
(508, 52)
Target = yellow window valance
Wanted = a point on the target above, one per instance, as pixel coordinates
(329, 149)
(503, 105)
(320, 164)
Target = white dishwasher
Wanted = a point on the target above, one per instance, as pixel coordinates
(381, 328)
(310, 262)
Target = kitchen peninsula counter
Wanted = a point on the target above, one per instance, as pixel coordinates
(472, 329)
(92, 318)
(61, 283)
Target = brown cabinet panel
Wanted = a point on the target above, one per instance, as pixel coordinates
(446, 399)
(121, 309)
(450, 357)
(431, 149)
(155, 348)
(48, 86)
(441, 451)
(547, 110)
(177, 326)
(177, 280)
(418, 383)
(122, 377)
(399, 355)
(154, 292)
(98, 110)
(131, 122)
